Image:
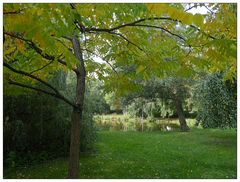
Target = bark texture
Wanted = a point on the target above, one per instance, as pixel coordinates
(74, 145)
(77, 114)
(181, 116)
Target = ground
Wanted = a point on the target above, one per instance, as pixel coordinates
(200, 153)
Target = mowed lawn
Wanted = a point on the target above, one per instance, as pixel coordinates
(209, 153)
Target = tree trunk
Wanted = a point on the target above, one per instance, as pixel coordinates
(74, 145)
(77, 113)
(142, 118)
(182, 120)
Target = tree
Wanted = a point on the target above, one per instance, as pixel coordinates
(176, 90)
(114, 102)
(42, 38)
(170, 90)
(96, 95)
(217, 102)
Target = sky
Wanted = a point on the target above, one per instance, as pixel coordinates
(200, 10)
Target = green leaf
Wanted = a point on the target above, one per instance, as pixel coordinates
(187, 18)
(198, 20)
(140, 69)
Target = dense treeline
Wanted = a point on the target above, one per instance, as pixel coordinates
(210, 99)
(36, 125)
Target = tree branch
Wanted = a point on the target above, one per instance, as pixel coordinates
(149, 26)
(138, 21)
(130, 42)
(191, 7)
(103, 60)
(30, 76)
(122, 36)
(83, 29)
(41, 67)
(41, 90)
(38, 50)
(81, 76)
(68, 48)
(164, 29)
(208, 9)
(198, 29)
(128, 24)
(12, 12)
(57, 93)
(68, 38)
(195, 6)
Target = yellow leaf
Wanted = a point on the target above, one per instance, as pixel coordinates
(9, 50)
(20, 45)
(173, 13)
(198, 20)
(140, 69)
(157, 8)
(187, 18)
(38, 38)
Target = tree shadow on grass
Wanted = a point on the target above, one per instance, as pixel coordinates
(221, 142)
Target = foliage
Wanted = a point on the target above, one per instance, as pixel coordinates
(204, 154)
(97, 98)
(38, 126)
(156, 98)
(87, 130)
(114, 102)
(217, 102)
(30, 135)
(174, 42)
(134, 41)
(152, 109)
(127, 123)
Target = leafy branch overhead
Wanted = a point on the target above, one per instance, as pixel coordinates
(55, 93)
(158, 39)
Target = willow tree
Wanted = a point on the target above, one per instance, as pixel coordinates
(133, 40)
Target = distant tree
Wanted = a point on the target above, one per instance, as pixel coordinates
(216, 100)
(114, 102)
(176, 90)
(173, 91)
(96, 95)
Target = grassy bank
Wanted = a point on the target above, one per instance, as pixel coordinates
(209, 153)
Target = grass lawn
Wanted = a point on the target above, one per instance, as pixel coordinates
(209, 153)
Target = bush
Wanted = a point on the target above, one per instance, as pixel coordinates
(37, 128)
(11, 159)
(87, 134)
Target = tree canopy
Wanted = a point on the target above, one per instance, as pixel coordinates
(133, 40)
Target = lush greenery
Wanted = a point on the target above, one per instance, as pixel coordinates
(127, 123)
(150, 62)
(36, 126)
(209, 153)
(216, 101)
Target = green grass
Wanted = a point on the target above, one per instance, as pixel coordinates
(209, 153)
